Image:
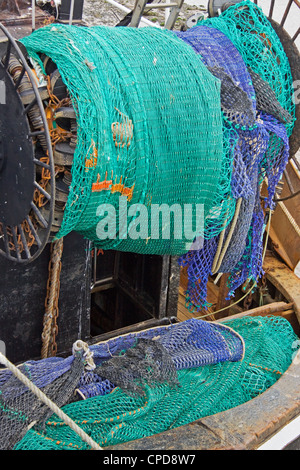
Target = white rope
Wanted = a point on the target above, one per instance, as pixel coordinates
(230, 234)
(290, 218)
(219, 248)
(254, 283)
(34, 389)
(218, 259)
(88, 355)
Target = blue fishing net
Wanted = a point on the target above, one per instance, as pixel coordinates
(134, 361)
(224, 61)
(261, 150)
(116, 417)
(192, 343)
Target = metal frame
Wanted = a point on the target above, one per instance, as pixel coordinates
(285, 14)
(173, 9)
(167, 293)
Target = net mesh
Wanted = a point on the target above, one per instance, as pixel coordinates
(223, 59)
(266, 348)
(19, 407)
(147, 363)
(250, 31)
(242, 49)
(206, 128)
(267, 101)
(133, 362)
(154, 135)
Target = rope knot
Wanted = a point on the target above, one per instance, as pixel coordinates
(78, 347)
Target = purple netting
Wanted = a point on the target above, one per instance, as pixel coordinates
(41, 373)
(189, 344)
(91, 385)
(194, 343)
(199, 266)
(276, 157)
(252, 150)
(271, 166)
(243, 258)
(220, 55)
(262, 150)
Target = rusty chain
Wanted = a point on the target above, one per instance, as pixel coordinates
(50, 328)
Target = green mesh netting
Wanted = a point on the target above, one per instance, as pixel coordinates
(117, 417)
(251, 32)
(150, 129)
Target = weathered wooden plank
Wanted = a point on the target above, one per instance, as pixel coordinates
(222, 302)
(280, 309)
(284, 279)
(285, 237)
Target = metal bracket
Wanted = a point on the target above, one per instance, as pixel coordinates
(142, 5)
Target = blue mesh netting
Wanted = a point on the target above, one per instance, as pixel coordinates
(270, 345)
(190, 344)
(261, 151)
(41, 373)
(221, 56)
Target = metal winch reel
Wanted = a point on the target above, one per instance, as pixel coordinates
(37, 143)
(25, 155)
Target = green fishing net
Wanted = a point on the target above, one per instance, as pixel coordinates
(117, 417)
(150, 133)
